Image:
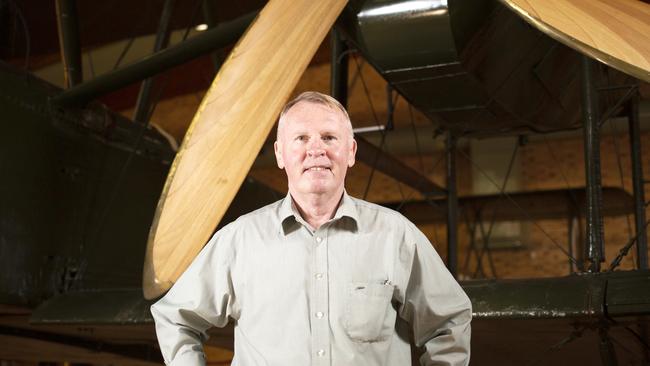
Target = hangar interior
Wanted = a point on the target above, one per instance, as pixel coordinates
(519, 153)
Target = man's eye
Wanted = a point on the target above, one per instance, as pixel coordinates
(329, 138)
(301, 138)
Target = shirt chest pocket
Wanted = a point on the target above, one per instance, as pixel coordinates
(369, 314)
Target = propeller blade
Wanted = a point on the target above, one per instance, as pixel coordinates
(228, 130)
(615, 32)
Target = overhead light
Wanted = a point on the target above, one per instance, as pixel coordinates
(368, 129)
(413, 7)
(201, 27)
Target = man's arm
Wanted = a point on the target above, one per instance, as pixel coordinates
(437, 308)
(201, 298)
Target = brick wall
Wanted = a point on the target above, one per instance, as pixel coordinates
(556, 164)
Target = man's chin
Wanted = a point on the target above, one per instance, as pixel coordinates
(318, 188)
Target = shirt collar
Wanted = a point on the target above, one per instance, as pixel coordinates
(346, 208)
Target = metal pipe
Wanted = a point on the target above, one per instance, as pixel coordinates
(452, 206)
(68, 29)
(637, 184)
(194, 47)
(595, 247)
(208, 16)
(339, 65)
(142, 106)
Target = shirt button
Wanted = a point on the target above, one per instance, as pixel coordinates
(319, 314)
(319, 239)
(318, 276)
(321, 352)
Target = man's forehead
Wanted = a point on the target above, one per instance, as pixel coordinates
(306, 110)
(307, 115)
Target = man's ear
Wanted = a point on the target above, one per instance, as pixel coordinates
(352, 153)
(278, 155)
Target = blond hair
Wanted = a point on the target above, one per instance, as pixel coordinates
(316, 98)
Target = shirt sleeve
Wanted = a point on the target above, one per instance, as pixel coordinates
(436, 306)
(202, 297)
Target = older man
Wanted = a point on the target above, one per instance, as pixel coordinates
(318, 278)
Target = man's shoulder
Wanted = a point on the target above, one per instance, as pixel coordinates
(372, 211)
(266, 215)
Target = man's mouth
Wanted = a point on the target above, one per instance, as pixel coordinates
(317, 169)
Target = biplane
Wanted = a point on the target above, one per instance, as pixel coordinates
(99, 213)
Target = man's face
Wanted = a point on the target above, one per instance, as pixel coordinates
(315, 148)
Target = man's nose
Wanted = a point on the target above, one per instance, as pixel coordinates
(315, 147)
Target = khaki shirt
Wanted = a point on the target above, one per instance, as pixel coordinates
(344, 294)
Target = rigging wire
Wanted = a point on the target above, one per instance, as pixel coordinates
(626, 248)
(610, 112)
(471, 228)
(391, 112)
(617, 151)
(520, 208)
(366, 90)
(607, 117)
(574, 200)
(143, 128)
(558, 165)
(129, 43)
(376, 119)
(486, 238)
(125, 50)
(415, 138)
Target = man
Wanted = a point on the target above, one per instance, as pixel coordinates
(318, 278)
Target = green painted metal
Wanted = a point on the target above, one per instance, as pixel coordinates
(71, 214)
(595, 248)
(589, 297)
(564, 297)
(77, 195)
(199, 45)
(68, 27)
(416, 46)
(628, 294)
(401, 35)
(118, 306)
(473, 67)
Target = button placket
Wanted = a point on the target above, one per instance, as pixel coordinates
(320, 327)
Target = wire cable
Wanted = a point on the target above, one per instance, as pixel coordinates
(520, 208)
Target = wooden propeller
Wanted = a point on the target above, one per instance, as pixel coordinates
(615, 32)
(228, 131)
